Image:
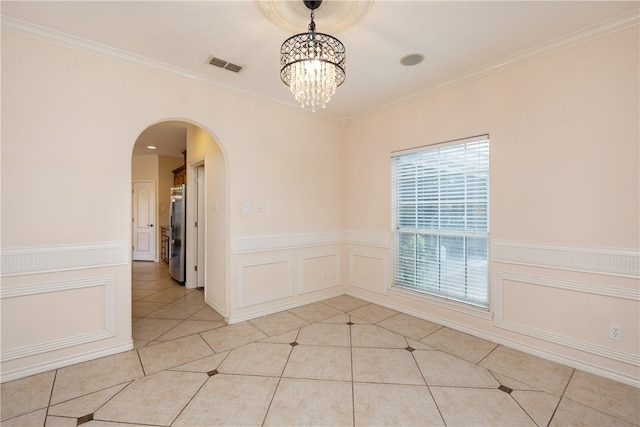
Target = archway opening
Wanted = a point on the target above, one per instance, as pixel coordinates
(178, 154)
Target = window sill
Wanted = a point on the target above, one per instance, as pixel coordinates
(444, 303)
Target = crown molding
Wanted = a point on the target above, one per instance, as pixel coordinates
(94, 48)
(544, 49)
(574, 39)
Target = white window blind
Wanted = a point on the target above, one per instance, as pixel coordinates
(441, 220)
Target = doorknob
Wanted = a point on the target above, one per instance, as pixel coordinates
(150, 225)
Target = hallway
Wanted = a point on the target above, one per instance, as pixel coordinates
(338, 362)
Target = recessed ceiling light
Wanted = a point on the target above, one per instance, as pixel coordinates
(412, 59)
(151, 147)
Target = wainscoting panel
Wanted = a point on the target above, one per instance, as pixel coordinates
(51, 316)
(369, 269)
(573, 314)
(249, 244)
(47, 259)
(614, 262)
(264, 279)
(318, 270)
(361, 238)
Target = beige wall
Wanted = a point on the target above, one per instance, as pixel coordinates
(564, 191)
(70, 228)
(144, 168)
(203, 150)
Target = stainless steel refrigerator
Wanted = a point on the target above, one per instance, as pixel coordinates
(177, 233)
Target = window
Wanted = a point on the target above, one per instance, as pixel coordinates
(441, 220)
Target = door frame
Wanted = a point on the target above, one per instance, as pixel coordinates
(190, 218)
(200, 241)
(155, 249)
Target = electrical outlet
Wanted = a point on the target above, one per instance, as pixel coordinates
(615, 332)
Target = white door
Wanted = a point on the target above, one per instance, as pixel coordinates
(200, 230)
(144, 221)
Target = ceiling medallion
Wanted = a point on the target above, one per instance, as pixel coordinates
(292, 16)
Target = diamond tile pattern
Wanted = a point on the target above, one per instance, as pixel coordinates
(338, 362)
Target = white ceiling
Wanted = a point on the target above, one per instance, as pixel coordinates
(459, 39)
(168, 138)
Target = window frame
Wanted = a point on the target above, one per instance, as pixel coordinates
(422, 283)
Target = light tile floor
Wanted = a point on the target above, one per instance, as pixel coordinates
(338, 362)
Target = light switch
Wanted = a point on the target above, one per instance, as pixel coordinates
(246, 207)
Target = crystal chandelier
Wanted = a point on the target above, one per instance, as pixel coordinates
(313, 64)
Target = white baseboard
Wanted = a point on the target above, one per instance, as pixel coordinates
(217, 309)
(516, 345)
(64, 362)
(254, 315)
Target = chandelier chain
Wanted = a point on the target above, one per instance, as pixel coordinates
(312, 24)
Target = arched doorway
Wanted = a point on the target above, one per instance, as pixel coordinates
(184, 153)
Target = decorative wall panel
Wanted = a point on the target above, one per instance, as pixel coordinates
(66, 325)
(264, 279)
(537, 307)
(318, 270)
(369, 269)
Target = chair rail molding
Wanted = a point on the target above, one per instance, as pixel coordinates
(598, 260)
(49, 259)
(249, 244)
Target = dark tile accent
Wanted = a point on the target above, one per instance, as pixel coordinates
(212, 373)
(410, 349)
(350, 323)
(505, 389)
(85, 419)
(293, 344)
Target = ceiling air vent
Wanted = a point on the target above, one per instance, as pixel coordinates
(224, 64)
